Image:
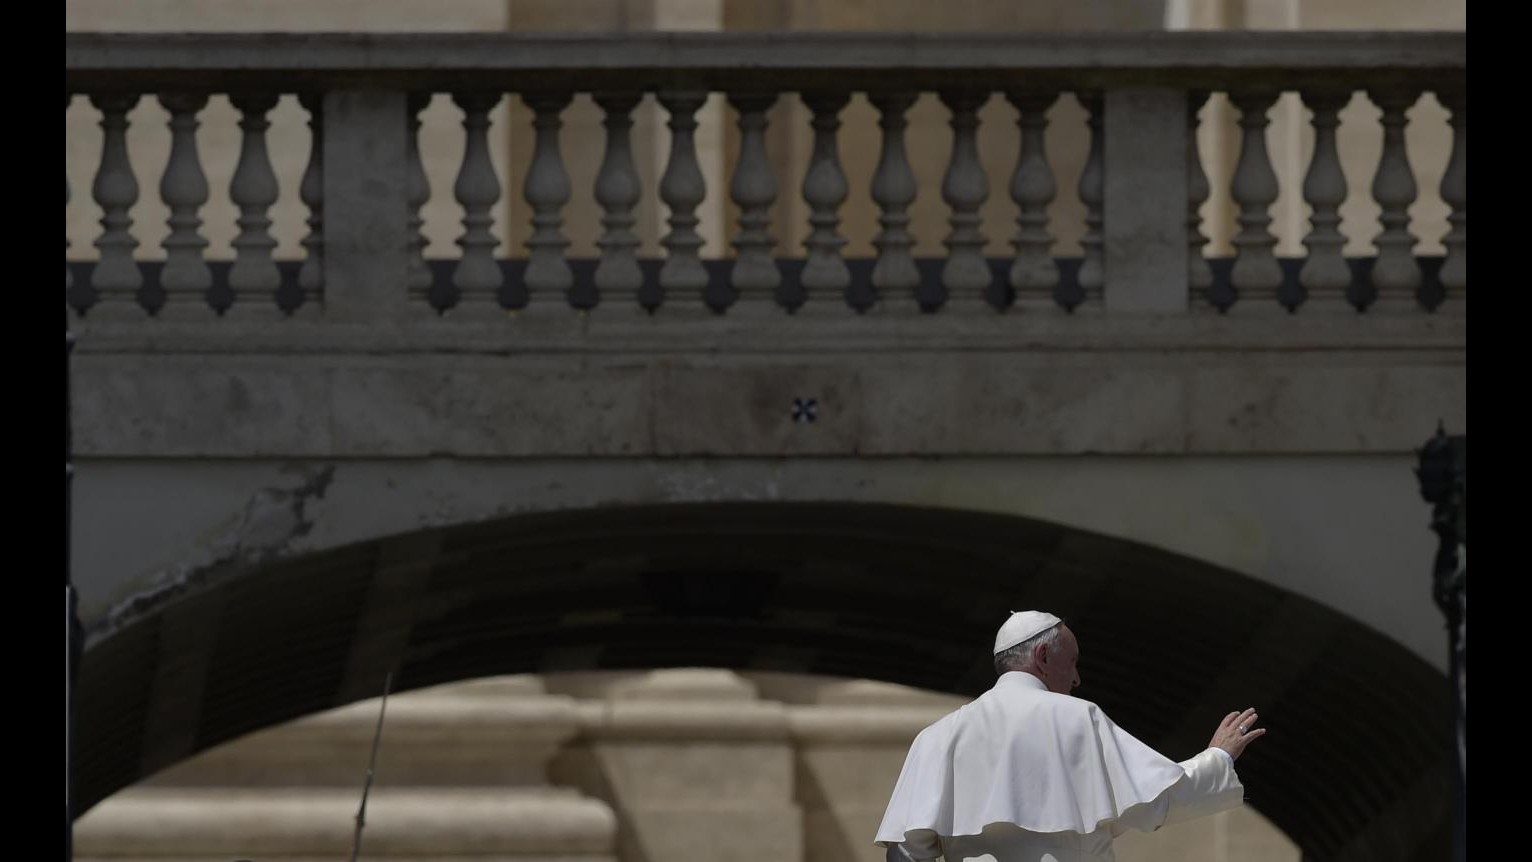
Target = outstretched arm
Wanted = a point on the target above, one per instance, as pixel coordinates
(1210, 785)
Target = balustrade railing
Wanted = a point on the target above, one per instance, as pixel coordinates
(1142, 187)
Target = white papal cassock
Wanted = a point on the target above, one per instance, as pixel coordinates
(1026, 775)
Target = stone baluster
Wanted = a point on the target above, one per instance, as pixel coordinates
(311, 191)
(825, 274)
(1256, 275)
(253, 190)
(116, 278)
(1395, 275)
(618, 190)
(1199, 276)
(68, 276)
(477, 278)
(546, 191)
(965, 273)
(1454, 273)
(683, 189)
(754, 189)
(1092, 188)
(186, 277)
(417, 195)
(1325, 276)
(893, 189)
(1034, 275)
(78, 299)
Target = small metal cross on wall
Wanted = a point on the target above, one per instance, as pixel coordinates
(805, 409)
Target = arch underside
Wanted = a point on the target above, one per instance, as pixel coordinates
(1356, 765)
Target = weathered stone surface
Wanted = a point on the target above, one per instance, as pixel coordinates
(666, 763)
(435, 738)
(199, 408)
(1331, 527)
(1374, 406)
(950, 403)
(1145, 178)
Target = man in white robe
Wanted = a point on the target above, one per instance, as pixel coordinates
(1029, 773)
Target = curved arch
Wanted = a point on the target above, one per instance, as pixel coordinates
(903, 594)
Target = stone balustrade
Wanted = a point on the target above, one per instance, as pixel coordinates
(1143, 183)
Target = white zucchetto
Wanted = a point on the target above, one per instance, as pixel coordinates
(1022, 626)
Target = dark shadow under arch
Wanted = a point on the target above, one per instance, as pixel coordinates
(1356, 767)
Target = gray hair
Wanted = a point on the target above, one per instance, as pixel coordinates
(1019, 657)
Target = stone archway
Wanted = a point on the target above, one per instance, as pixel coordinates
(902, 594)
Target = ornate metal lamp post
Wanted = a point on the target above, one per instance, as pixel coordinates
(1443, 475)
(70, 621)
(74, 634)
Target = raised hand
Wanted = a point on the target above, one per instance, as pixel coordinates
(1236, 731)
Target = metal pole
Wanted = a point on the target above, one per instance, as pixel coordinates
(372, 764)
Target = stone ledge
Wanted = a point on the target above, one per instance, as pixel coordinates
(554, 328)
(666, 685)
(963, 403)
(746, 831)
(429, 738)
(859, 725)
(332, 857)
(691, 722)
(147, 62)
(551, 823)
(439, 717)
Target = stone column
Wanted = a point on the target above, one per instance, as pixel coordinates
(1144, 219)
(366, 216)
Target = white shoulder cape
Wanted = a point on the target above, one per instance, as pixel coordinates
(1023, 755)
